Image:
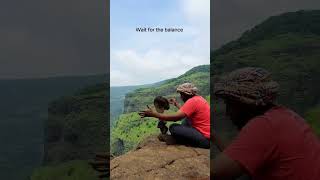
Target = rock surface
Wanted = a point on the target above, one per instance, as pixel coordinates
(153, 159)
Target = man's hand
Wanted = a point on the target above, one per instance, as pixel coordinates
(174, 102)
(148, 113)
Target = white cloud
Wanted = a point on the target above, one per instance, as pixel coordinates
(196, 11)
(120, 78)
(151, 57)
(151, 66)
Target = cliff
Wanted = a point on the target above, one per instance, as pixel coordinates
(153, 159)
(76, 127)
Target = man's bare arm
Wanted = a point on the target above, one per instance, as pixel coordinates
(171, 117)
(225, 168)
(165, 117)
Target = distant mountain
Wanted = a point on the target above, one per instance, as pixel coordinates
(117, 96)
(24, 93)
(300, 23)
(288, 46)
(130, 129)
(139, 98)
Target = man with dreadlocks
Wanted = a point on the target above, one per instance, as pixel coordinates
(274, 143)
(195, 130)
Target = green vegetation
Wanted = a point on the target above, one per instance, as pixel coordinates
(75, 130)
(73, 170)
(23, 111)
(299, 23)
(313, 118)
(293, 61)
(208, 99)
(130, 129)
(286, 45)
(138, 99)
(117, 95)
(76, 127)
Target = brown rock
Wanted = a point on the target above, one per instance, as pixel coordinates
(155, 160)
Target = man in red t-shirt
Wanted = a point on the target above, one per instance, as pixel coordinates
(195, 130)
(274, 143)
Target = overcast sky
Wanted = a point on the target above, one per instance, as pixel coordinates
(143, 58)
(41, 38)
(233, 17)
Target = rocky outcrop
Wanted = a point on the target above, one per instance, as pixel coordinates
(153, 159)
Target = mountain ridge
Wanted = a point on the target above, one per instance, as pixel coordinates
(299, 22)
(289, 52)
(198, 75)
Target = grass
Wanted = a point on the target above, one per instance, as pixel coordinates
(72, 170)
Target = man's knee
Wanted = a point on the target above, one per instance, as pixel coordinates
(173, 127)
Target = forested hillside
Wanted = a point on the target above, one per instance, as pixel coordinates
(288, 46)
(75, 130)
(117, 95)
(77, 126)
(23, 111)
(138, 99)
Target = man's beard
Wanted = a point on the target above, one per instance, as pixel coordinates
(240, 124)
(241, 121)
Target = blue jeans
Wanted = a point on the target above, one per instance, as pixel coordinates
(185, 134)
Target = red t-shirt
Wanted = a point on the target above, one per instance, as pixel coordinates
(197, 111)
(278, 145)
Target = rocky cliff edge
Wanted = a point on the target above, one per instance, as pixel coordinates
(153, 159)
